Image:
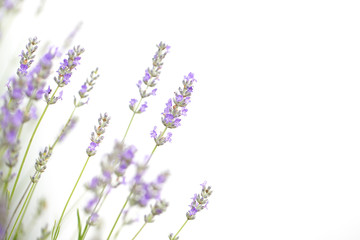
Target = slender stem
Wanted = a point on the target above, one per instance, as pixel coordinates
(19, 203)
(62, 131)
(128, 127)
(122, 209)
(87, 226)
(2, 151)
(152, 153)
(26, 190)
(26, 207)
(180, 229)
(136, 108)
(139, 230)
(29, 144)
(7, 179)
(27, 109)
(22, 209)
(132, 190)
(67, 202)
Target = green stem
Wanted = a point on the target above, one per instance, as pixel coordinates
(27, 109)
(27, 205)
(67, 202)
(139, 230)
(136, 109)
(87, 226)
(28, 146)
(22, 209)
(7, 179)
(132, 190)
(180, 229)
(19, 203)
(62, 131)
(122, 209)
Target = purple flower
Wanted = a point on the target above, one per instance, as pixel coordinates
(11, 136)
(153, 133)
(132, 103)
(94, 183)
(48, 90)
(93, 146)
(60, 95)
(66, 78)
(18, 118)
(32, 113)
(179, 98)
(147, 77)
(67, 66)
(83, 89)
(90, 204)
(199, 201)
(168, 137)
(153, 92)
(23, 69)
(143, 107)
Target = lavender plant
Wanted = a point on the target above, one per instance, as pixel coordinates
(19, 106)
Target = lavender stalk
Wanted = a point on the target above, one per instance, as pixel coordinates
(199, 202)
(150, 80)
(96, 139)
(63, 78)
(40, 165)
(170, 119)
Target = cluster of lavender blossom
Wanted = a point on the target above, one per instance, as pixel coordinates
(19, 106)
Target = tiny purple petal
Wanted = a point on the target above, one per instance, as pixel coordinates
(153, 133)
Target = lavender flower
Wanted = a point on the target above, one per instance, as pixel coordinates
(143, 191)
(68, 65)
(86, 88)
(35, 79)
(40, 164)
(150, 78)
(174, 109)
(172, 113)
(96, 137)
(199, 201)
(159, 207)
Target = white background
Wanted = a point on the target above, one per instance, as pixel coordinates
(273, 125)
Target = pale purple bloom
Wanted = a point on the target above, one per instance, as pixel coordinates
(143, 107)
(83, 89)
(32, 113)
(133, 102)
(60, 95)
(168, 137)
(11, 136)
(153, 92)
(18, 118)
(153, 133)
(147, 77)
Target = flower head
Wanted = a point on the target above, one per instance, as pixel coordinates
(68, 65)
(199, 201)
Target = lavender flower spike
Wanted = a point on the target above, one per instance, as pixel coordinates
(86, 88)
(151, 77)
(172, 113)
(199, 201)
(96, 136)
(67, 66)
(159, 207)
